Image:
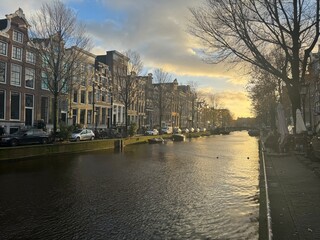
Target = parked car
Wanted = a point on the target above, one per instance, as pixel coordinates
(152, 132)
(197, 129)
(167, 130)
(185, 130)
(26, 136)
(203, 129)
(177, 130)
(192, 129)
(82, 134)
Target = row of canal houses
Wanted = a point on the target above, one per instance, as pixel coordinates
(92, 102)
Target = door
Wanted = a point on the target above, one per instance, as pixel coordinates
(28, 116)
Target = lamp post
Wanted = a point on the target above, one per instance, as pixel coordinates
(93, 102)
(94, 85)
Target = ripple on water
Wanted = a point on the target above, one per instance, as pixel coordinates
(205, 188)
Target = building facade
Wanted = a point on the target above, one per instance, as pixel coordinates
(91, 98)
(21, 95)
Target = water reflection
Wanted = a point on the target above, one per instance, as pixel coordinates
(205, 188)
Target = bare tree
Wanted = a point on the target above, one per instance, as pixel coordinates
(129, 83)
(162, 95)
(194, 94)
(264, 93)
(250, 30)
(135, 63)
(58, 39)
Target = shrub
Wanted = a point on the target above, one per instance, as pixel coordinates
(133, 129)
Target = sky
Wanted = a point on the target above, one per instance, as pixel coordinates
(157, 30)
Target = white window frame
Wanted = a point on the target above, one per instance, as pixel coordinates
(12, 119)
(20, 74)
(27, 74)
(75, 94)
(44, 109)
(30, 57)
(17, 36)
(5, 49)
(44, 86)
(15, 53)
(25, 99)
(4, 104)
(5, 72)
(84, 96)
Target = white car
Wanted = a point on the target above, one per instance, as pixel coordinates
(167, 130)
(82, 134)
(152, 132)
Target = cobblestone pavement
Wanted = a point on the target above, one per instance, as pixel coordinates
(294, 194)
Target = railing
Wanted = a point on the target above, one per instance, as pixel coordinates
(269, 225)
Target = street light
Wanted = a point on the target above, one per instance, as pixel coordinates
(111, 104)
(94, 85)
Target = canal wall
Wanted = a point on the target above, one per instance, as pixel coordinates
(8, 153)
(11, 153)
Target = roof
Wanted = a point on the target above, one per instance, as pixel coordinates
(19, 13)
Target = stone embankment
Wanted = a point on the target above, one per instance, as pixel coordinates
(8, 153)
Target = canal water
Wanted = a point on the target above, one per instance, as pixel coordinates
(204, 188)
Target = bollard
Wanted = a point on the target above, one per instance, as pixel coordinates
(118, 145)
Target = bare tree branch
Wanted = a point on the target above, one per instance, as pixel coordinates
(60, 42)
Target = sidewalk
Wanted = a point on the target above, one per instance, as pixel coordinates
(294, 194)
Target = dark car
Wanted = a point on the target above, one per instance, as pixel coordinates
(28, 136)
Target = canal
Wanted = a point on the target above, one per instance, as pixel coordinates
(204, 188)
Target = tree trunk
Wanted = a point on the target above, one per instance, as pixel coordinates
(126, 119)
(294, 96)
(55, 114)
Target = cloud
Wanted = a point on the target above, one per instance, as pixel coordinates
(157, 30)
(237, 102)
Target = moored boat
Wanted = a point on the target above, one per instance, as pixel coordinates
(178, 137)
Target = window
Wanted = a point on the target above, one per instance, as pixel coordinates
(44, 81)
(30, 57)
(29, 101)
(104, 116)
(44, 108)
(2, 103)
(89, 97)
(82, 75)
(103, 97)
(98, 93)
(16, 75)
(30, 77)
(15, 106)
(3, 72)
(16, 53)
(45, 61)
(83, 96)
(89, 116)
(64, 88)
(3, 48)
(82, 115)
(17, 36)
(75, 95)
